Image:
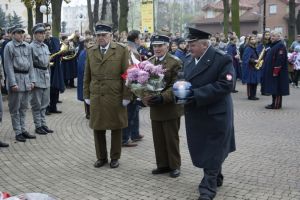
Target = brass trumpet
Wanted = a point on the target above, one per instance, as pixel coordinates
(260, 59)
(64, 47)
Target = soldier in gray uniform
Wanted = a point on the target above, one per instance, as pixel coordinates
(40, 95)
(20, 81)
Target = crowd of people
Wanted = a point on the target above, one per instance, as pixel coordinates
(37, 71)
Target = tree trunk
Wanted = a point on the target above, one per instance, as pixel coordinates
(90, 15)
(298, 23)
(38, 14)
(96, 11)
(56, 16)
(30, 20)
(235, 17)
(103, 11)
(292, 21)
(124, 8)
(114, 14)
(226, 16)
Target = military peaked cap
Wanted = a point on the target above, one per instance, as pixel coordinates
(160, 39)
(196, 34)
(17, 28)
(102, 28)
(40, 27)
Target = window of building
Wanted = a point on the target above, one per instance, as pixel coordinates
(268, 29)
(210, 14)
(279, 29)
(273, 9)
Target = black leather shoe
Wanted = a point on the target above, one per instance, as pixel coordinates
(40, 131)
(114, 163)
(161, 170)
(175, 173)
(2, 144)
(28, 136)
(204, 198)
(20, 138)
(45, 128)
(47, 112)
(100, 163)
(56, 111)
(59, 101)
(253, 98)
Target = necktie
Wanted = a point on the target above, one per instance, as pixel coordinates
(103, 51)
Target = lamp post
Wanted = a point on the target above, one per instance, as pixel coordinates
(264, 16)
(81, 17)
(45, 9)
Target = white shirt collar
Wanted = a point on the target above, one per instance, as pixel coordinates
(161, 58)
(197, 60)
(106, 47)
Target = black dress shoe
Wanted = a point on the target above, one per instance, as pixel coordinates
(28, 136)
(59, 101)
(253, 98)
(175, 173)
(114, 163)
(204, 198)
(45, 128)
(100, 163)
(2, 144)
(47, 112)
(161, 170)
(20, 138)
(40, 131)
(272, 107)
(56, 111)
(235, 91)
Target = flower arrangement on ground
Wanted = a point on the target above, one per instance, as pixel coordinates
(145, 79)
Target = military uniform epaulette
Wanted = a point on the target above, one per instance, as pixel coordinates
(175, 57)
(151, 58)
(220, 52)
(90, 46)
(121, 44)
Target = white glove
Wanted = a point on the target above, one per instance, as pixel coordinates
(125, 102)
(87, 101)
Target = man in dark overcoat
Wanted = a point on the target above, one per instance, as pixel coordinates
(105, 91)
(275, 74)
(209, 111)
(57, 84)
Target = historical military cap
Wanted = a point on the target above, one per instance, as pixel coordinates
(102, 28)
(40, 27)
(196, 34)
(160, 39)
(17, 28)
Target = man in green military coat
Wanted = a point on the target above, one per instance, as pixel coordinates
(105, 91)
(164, 113)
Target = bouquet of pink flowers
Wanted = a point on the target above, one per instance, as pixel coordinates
(145, 79)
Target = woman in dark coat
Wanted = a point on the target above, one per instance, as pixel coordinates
(251, 76)
(275, 77)
(88, 42)
(234, 53)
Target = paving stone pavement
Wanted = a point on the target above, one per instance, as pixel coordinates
(266, 165)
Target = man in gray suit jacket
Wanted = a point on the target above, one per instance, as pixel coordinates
(40, 97)
(20, 81)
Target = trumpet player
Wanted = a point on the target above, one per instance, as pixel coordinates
(56, 74)
(252, 76)
(40, 96)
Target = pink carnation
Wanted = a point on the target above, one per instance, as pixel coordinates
(143, 77)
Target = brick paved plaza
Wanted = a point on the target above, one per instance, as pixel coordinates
(266, 165)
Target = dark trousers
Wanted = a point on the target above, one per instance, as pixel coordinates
(296, 77)
(251, 90)
(100, 144)
(166, 143)
(276, 101)
(87, 110)
(54, 96)
(132, 131)
(208, 185)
